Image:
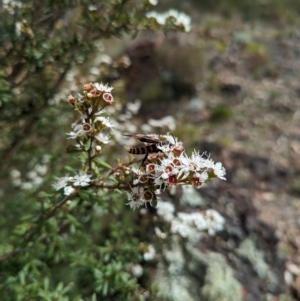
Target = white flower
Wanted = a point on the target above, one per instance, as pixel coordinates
(137, 270)
(37, 181)
(92, 7)
(72, 135)
(150, 254)
(171, 143)
(26, 185)
(135, 197)
(82, 180)
(77, 131)
(134, 107)
(160, 18)
(197, 164)
(165, 169)
(103, 88)
(41, 169)
(77, 126)
(32, 174)
(203, 176)
(45, 159)
(202, 160)
(219, 171)
(180, 19)
(167, 121)
(68, 190)
(141, 177)
(61, 183)
(15, 173)
(146, 128)
(153, 2)
(159, 182)
(165, 147)
(16, 182)
(159, 233)
(103, 139)
(105, 121)
(18, 28)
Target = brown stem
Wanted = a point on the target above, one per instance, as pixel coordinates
(111, 186)
(58, 205)
(12, 254)
(52, 213)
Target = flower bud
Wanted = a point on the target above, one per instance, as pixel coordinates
(87, 127)
(88, 87)
(177, 150)
(72, 100)
(150, 167)
(148, 196)
(196, 182)
(172, 179)
(93, 93)
(108, 98)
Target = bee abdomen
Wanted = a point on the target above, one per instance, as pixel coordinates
(143, 149)
(138, 150)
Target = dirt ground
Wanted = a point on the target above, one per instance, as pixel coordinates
(263, 135)
(246, 77)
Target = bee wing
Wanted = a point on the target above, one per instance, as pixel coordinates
(143, 138)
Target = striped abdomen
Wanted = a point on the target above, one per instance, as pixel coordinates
(152, 148)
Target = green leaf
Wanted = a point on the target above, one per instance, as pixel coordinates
(22, 277)
(46, 284)
(101, 162)
(154, 203)
(105, 288)
(59, 287)
(72, 219)
(88, 144)
(98, 274)
(67, 288)
(73, 149)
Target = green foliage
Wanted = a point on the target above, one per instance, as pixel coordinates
(55, 247)
(59, 261)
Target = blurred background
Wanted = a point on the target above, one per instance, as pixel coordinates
(229, 86)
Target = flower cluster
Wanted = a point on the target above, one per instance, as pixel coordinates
(170, 166)
(121, 172)
(69, 184)
(166, 164)
(171, 17)
(91, 105)
(150, 254)
(34, 178)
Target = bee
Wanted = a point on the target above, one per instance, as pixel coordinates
(147, 149)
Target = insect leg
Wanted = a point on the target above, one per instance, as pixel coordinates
(144, 160)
